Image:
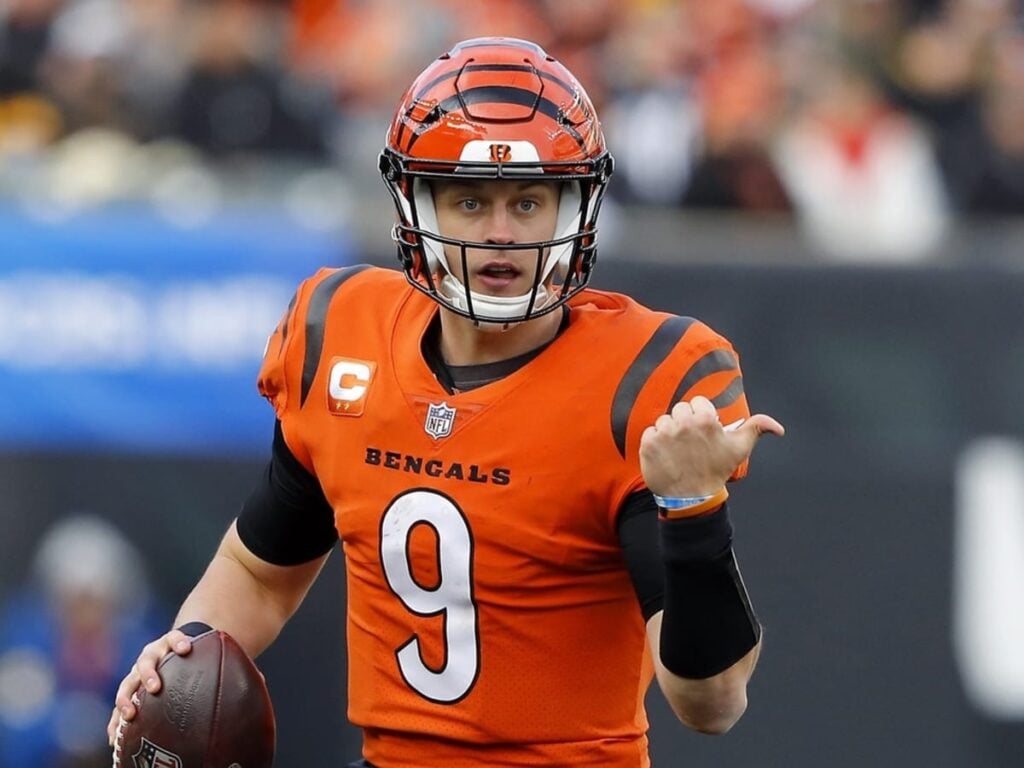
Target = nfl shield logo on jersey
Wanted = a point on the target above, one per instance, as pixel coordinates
(152, 756)
(439, 420)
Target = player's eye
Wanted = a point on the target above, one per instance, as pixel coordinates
(469, 204)
(528, 206)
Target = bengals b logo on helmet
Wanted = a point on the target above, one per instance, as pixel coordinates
(501, 153)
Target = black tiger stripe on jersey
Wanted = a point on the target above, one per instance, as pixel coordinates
(286, 322)
(715, 361)
(316, 318)
(654, 352)
(496, 94)
(729, 395)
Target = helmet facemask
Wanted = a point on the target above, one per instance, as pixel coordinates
(561, 264)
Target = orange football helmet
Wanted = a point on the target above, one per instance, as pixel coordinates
(497, 108)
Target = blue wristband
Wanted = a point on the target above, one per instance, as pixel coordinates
(680, 502)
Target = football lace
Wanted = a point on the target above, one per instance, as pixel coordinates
(119, 740)
(119, 734)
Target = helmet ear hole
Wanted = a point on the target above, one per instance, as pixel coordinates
(410, 253)
(407, 259)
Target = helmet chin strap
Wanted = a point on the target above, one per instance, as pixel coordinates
(496, 312)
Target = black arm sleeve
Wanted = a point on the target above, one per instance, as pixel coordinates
(287, 520)
(638, 535)
(709, 623)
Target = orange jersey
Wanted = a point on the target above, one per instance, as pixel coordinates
(491, 617)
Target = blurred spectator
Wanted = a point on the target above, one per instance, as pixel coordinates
(234, 99)
(29, 121)
(352, 47)
(742, 104)
(653, 118)
(998, 186)
(108, 63)
(862, 176)
(65, 641)
(577, 31)
(80, 70)
(153, 62)
(24, 37)
(952, 68)
(698, 97)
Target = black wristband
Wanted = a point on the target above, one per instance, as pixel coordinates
(708, 623)
(194, 628)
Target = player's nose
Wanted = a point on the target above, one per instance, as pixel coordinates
(499, 226)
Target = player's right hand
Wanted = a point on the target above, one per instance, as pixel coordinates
(687, 452)
(144, 673)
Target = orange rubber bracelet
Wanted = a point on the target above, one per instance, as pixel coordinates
(672, 511)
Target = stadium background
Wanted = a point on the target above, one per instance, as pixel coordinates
(836, 186)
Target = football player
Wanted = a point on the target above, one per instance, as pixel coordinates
(528, 476)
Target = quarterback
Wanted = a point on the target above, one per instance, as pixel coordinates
(527, 477)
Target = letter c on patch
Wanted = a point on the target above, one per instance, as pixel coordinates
(348, 384)
(349, 380)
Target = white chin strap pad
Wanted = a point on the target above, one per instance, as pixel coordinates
(498, 308)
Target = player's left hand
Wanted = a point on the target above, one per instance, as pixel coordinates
(689, 453)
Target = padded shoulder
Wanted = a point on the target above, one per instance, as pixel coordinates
(679, 358)
(293, 350)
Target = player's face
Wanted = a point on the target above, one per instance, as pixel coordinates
(499, 212)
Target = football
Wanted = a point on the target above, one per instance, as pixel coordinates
(213, 711)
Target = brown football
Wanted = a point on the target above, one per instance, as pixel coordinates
(213, 711)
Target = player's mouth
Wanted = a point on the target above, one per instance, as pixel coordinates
(497, 275)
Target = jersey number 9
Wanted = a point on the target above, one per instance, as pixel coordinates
(451, 598)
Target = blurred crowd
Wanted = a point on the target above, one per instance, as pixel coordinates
(874, 122)
(68, 632)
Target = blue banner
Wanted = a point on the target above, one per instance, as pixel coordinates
(121, 331)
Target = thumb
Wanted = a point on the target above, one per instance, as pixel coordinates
(758, 424)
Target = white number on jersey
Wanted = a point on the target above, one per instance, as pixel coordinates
(452, 597)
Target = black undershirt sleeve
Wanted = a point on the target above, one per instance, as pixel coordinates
(287, 520)
(638, 535)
